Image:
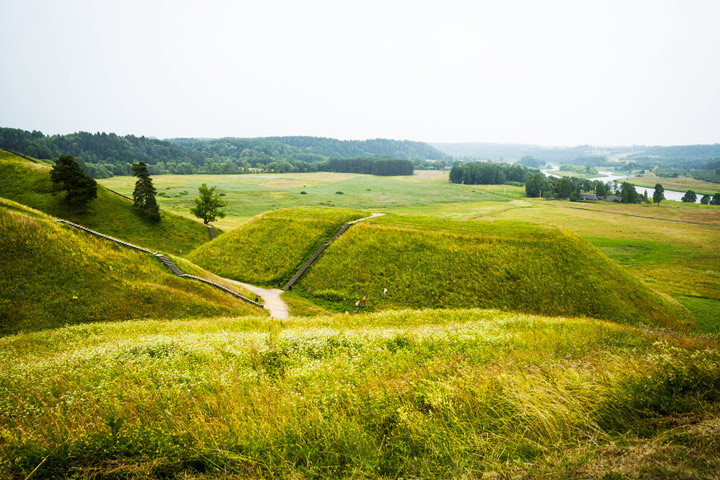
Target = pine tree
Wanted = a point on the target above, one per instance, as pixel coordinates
(68, 176)
(144, 193)
(658, 194)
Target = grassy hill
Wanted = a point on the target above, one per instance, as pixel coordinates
(270, 248)
(54, 275)
(29, 183)
(408, 394)
(507, 265)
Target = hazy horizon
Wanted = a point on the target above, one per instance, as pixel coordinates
(560, 73)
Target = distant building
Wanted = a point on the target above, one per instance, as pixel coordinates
(613, 198)
(588, 196)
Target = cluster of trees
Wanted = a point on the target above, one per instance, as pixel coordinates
(538, 185)
(691, 197)
(370, 165)
(68, 176)
(487, 173)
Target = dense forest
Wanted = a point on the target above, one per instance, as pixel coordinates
(487, 173)
(103, 155)
(370, 165)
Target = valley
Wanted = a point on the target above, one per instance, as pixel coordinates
(517, 337)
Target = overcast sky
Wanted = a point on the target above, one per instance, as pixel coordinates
(561, 72)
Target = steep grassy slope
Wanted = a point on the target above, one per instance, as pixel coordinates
(507, 265)
(53, 275)
(430, 394)
(29, 183)
(269, 249)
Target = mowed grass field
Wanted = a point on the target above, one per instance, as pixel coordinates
(405, 394)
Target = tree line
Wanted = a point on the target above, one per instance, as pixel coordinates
(487, 173)
(370, 165)
(103, 155)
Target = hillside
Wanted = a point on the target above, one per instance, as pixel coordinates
(53, 275)
(426, 263)
(270, 248)
(29, 183)
(409, 394)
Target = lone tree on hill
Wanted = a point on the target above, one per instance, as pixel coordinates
(208, 205)
(658, 194)
(144, 193)
(689, 197)
(68, 176)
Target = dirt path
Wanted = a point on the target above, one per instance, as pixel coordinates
(271, 298)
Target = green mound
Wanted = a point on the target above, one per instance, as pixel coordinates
(511, 266)
(270, 248)
(29, 183)
(408, 394)
(54, 275)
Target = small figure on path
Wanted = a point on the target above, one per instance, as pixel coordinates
(364, 299)
(308, 291)
(384, 291)
(357, 306)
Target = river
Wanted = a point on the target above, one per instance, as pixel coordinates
(610, 176)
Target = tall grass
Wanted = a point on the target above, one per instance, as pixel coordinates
(53, 275)
(511, 266)
(269, 249)
(413, 394)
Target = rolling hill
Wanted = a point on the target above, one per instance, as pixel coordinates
(427, 263)
(29, 183)
(53, 275)
(270, 248)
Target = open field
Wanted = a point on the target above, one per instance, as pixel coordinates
(681, 184)
(446, 394)
(250, 195)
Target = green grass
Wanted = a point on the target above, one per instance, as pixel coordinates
(269, 249)
(54, 275)
(250, 195)
(29, 183)
(636, 252)
(429, 394)
(706, 312)
(508, 265)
